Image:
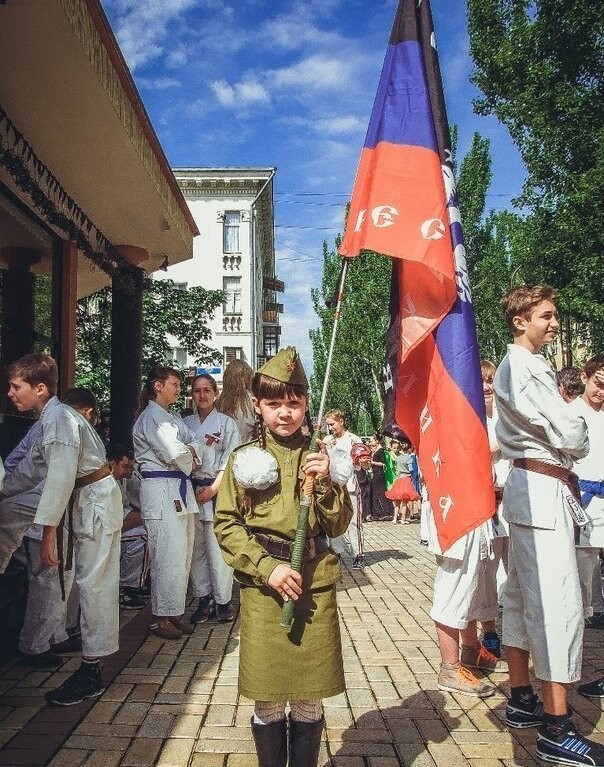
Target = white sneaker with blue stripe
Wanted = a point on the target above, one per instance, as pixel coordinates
(569, 748)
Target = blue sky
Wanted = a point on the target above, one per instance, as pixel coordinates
(289, 83)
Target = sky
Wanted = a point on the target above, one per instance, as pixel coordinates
(291, 84)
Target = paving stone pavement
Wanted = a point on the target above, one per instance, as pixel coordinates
(175, 704)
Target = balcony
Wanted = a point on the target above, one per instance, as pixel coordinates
(270, 316)
(231, 262)
(271, 306)
(272, 283)
(231, 323)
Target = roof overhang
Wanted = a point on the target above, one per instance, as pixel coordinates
(67, 89)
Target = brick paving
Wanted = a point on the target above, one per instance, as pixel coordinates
(175, 704)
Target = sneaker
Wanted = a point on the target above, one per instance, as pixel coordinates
(593, 689)
(596, 621)
(423, 542)
(481, 658)
(86, 682)
(568, 747)
(492, 643)
(47, 659)
(164, 629)
(73, 643)
(129, 601)
(462, 680)
(183, 626)
(225, 613)
(525, 713)
(206, 610)
(358, 564)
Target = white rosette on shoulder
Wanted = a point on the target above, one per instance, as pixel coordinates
(255, 469)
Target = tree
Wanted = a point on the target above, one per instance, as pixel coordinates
(168, 310)
(356, 379)
(540, 65)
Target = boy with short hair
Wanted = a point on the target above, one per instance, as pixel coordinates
(78, 478)
(569, 383)
(542, 614)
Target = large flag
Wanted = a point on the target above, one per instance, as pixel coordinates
(404, 205)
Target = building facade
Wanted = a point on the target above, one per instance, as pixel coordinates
(233, 210)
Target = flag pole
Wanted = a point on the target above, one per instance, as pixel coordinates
(297, 556)
(334, 332)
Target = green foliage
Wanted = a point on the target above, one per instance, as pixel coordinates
(168, 310)
(540, 65)
(356, 379)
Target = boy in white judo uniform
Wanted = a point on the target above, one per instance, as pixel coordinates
(78, 479)
(542, 606)
(211, 579)
(45, 612)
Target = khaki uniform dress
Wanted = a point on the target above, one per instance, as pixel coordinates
(304, 662)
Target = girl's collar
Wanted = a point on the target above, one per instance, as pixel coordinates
(297, 439)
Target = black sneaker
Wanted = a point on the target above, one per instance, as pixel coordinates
(527, 713)
(205, 611)
(358, 564)
(593, 689)
(596, 621)
(71, 644)
(568, 747)
(41, 660)
(129, 601)
(225, 613)
(492, 642)
(84, 683)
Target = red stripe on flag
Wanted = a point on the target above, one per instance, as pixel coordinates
(447, 434)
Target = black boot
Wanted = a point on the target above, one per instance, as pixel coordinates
(304, 743)
(271, 743)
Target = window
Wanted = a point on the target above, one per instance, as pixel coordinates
(179, 357)
(232, 295)
(231, 353)
(232, 219)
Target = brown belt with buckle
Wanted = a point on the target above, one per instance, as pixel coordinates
(88, 479)
(281, 549)
(569, 478)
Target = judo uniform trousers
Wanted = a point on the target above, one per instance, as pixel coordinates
(542, 606)
(45, 612)
(168, 503)
(497, 565)
(73, 451)
(134, 555)
(210, 574)
(591, 535)
(355, 528)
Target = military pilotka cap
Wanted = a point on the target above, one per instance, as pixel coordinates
(286, 367)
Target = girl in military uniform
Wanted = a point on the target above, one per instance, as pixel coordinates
(256, 519)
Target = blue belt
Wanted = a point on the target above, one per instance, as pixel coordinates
(590, 489)
(171, 475)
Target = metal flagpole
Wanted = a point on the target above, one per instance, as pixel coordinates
(334, 332)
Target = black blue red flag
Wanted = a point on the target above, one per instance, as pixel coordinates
(404, 205)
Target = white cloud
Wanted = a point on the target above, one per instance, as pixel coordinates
(242, 94)
(142, 27)
(177, 58)
(340, 125)
(159, 84)
(320, 72)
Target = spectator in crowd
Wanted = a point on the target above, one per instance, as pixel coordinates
(235, 399)
(344, 440)
(211, 579)
(403, 493)
(381, 507)
(569, 383)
